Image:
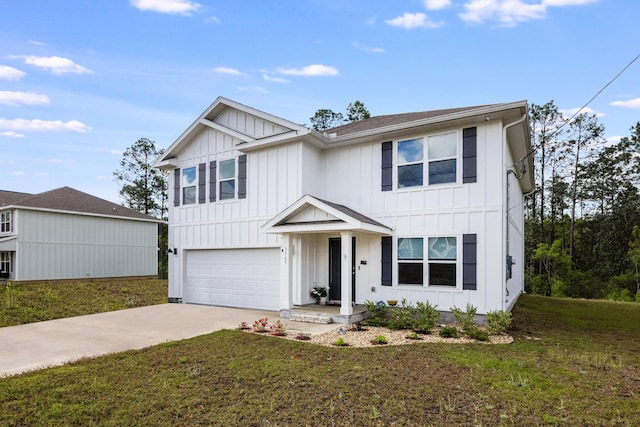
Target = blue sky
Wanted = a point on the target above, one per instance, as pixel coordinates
(80, 81)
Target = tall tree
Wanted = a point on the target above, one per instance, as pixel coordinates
(326, 119)
(142, 187)
(145, 189)
(357, 111)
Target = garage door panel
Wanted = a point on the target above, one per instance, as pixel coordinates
(235, 278)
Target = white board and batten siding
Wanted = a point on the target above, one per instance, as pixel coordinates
(54, 246)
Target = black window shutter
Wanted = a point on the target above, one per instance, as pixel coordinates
(202, 182)
(469, 162)
(242, 176)
(387, 166)
(213, 174)
(176, 187)
(469, 262)
(387, 260)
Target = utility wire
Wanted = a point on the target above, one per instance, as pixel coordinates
(585, 105)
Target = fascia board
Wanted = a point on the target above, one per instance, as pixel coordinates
(167, 164)
(235, 134)
(29, 208)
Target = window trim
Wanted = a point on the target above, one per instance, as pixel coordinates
(425, 261)
(221, 181)
(183, 187)
(6, 225)
(426, 161)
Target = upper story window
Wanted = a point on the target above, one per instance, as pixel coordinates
(438, 162)
(189, 182)
(5, 222)
(443, 154)
(227, 179)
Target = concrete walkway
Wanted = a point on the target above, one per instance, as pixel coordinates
(56, 342)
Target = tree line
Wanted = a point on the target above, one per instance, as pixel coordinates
(582, 224)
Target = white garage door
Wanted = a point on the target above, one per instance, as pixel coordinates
(246, 278)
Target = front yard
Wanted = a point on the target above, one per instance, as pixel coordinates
(571, 363)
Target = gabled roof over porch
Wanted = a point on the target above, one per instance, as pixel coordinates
(310, 214)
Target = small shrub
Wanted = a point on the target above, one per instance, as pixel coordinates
(498, 321)
(303, 337)
(478, 335)
(260, 325)
(243, 326)
(278, 329)
(376, 311)
(402, 316)
(466, 319)
(427, 317)
(449, 332)
(340, 342)
(413, 336)
(380, 339)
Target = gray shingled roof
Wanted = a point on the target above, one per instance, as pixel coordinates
(69, 199)
(393, 119)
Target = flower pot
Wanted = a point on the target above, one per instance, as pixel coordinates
(323, 300)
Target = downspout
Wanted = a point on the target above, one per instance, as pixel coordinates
(509, 260)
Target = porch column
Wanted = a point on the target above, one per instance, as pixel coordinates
(286, 289)
(346, 262)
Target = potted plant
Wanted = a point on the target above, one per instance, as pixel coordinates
(320, 294)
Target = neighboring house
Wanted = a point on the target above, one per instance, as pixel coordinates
(422, 206)
(68, 234)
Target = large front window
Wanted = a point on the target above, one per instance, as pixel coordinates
(189, 179)
(227, 179)
(441, 257)
(5, 222)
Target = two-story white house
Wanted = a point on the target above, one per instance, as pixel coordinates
(422, 206)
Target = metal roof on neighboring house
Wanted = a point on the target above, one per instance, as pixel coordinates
(70, 200)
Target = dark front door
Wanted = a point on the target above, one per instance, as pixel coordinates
(335, 266)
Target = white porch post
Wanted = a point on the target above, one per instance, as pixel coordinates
(345, 274)
(286, 289)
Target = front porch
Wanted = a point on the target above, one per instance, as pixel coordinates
(318, 313)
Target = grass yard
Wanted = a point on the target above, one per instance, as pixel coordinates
(573, 363)
(22, 303)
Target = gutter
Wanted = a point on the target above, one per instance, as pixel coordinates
(509, 262)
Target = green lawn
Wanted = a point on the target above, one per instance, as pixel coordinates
(573, 363)
(33, 302)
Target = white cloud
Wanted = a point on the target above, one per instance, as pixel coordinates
(436, 4)
(631, 103)
(413, 20)
(43, 125)
(368, 49)
(37, 43)
(226, 70)
(269, 78)
(180, 7)
(10, 73)
(22, 98)
(55, 64)
(586, 110)
(252, 89)
(12, 134)
(512, 12)
(309, 70)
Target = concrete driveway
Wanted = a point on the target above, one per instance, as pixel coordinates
(56, 342)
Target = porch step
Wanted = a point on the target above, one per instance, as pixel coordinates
(310, 317)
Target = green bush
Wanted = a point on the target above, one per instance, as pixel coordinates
(402, 316)
(426, 318)
(380, 339)
(449, 332)
(479, 335)
(376, 311)
(466, 319)
(498, 321)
